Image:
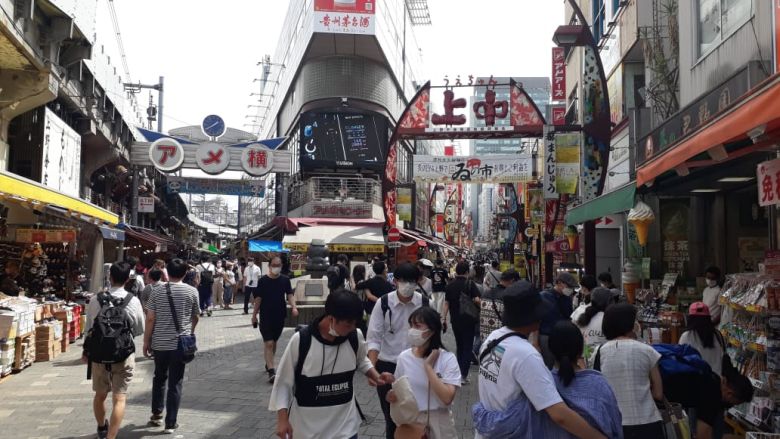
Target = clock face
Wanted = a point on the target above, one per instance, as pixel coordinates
(214, 126)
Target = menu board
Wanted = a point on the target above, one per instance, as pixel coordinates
(343, 140)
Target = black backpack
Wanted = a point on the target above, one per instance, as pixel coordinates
(110, 340)
(384, 302)
(206, 277)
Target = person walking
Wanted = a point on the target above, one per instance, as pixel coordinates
(313, 395)
(251, 276)
(219, 284)
(492, 276)
(114, 378)
(513, 375)
(631, 368)
(560, 298)
(463, 324)
(581, 300)
(590, 322)
(492, 304)
(155, 276)
(206, 274)
(229, 280)
(192, 278)
(375, 287)
(358, 276)
(270, 295)
(439, 279)
(425, 283)
(158, 264)
(433, 374)
(605, 280)
(387, 337)
(173, 311)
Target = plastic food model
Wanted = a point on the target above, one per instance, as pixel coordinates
(641, 216)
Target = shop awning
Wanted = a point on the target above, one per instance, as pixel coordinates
(619, 200)
(150, 237)
(266, 246)
(339, 239)
(112, 233)
(21, 189)
(758, 109)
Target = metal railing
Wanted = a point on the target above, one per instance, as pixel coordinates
(335, 189)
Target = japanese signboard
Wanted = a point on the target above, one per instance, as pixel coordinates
(61, 164)
(439, 223)
(550, 164)
(166, 154)
(768, 176)
(345, 16)
(341, 209)
(356, 248)
(567, 151)
(43, 235)
(212, 158)
(296, 247)
(486, 169)
(559, 115)
(257, 160)
(674, 230)
(405, 204)
(145, 205)
(534, 206)
(244, 188)
(558, 74)
(615, 88)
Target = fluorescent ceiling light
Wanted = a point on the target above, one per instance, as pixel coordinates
(704, 191)
(736, 179)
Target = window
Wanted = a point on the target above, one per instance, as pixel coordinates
(599, 19)
(718, 19)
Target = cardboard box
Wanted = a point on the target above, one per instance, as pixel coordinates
(9, 324)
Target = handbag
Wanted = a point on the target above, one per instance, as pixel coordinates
(675, 420)
(468, 308)
(187, 344)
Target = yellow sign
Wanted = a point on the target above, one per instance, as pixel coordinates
(296, 247)
(356, 248)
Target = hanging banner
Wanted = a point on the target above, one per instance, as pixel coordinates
(534, 206)
(485, 169)
(567, 152)
(550, 164)
(768, 177)
(405, 204)
(44, 236)
(439, 224)
(558, 74)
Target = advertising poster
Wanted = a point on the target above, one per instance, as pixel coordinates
(567, 150)
(475, 169)
(343, 140)
(345, 16)
(61, 164)
(535, 206)
(405, 204)
(674, 232)
(550, 164)
(615, 88)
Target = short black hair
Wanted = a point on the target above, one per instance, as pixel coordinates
(740, 385)
(344, 305)
(132, 260)
(120, 272)
(432, 319)
(462, 268)
(510, 275)
(342, 258)
(494, 264)
(155, 274)
(618, 320)
(204, 258)
(589, 281)
(407, 272)
(177, 268)
(379, 267)
(605, 277)
(713, 270)
(439, 262)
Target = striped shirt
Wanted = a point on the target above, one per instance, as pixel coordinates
(185, 301)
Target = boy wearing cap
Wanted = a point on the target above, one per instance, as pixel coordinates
(561, 307)
(510, 367)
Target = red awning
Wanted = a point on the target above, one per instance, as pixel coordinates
(758, 109)
(149, 237)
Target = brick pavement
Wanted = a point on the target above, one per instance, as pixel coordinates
(225, 392)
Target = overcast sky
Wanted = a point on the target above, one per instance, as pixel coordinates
(208, 51)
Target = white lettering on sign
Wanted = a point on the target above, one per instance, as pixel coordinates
(213, 158)
(166, 154)
(550, 164)
(257, 160)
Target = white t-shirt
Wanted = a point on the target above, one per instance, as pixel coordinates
(593, 335)
(578, 312)
(713, 356)
(252, 275)
(427, 285)
(413, 368)
(710, 297)
(513, 368)
(230, 278)
(626, 365)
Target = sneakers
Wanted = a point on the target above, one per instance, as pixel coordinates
(170, 429)
(464, 381)
(271, 374)
(209, 312)
(102, 431)
(156, 419)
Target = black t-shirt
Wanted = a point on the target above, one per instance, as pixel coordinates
(700, 392)
(378, 287)
(8, 285)
(710, 406)
(452, 295)
(439, 278)
(274, 293)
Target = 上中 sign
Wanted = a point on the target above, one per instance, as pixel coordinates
(484, 169)
(257, 160)
(45, 235)
(558, 74)
(212, 158)
(166, 154)
(345, 16)
(550, 164)
(145, 205)
(768, 176)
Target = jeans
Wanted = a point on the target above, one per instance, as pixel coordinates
(227, 295)
(384, 366)
(167, 367)
(247, 297)
(204, 295)
(464, 343)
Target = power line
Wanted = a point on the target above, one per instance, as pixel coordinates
(118, 36)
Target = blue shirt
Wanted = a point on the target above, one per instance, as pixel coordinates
(561, 309)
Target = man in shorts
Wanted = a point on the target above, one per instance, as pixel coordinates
(270, 295)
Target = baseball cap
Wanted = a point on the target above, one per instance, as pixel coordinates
(567, 279)
(699, 309)
(523, 305)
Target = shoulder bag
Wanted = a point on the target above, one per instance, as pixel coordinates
(468, 308)
(187, 344)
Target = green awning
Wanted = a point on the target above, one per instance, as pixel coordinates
(619, 200)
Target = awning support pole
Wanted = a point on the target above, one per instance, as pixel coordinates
(590, 248)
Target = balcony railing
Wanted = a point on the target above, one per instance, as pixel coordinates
(335, 190)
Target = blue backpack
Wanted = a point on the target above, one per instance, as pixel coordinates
(678, 359)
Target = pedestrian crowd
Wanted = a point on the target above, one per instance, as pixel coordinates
(565, 362)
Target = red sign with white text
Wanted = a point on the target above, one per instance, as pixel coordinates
(768, 176)
(559, 115)
(558, 74)
(344, 16)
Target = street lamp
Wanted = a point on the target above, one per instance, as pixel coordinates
(572, 35)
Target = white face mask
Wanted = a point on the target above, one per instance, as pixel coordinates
(568, 291)
(712, 283)
(406, 289)
(332, 332)
(417, 337)
(250, 264)
(276, 270)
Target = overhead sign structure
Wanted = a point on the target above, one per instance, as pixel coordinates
(257, 160)
(474, 169)
(166, 154)
(243, 188)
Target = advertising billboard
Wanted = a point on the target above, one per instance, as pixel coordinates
(61, 169)
(343, 140)
(345, 16)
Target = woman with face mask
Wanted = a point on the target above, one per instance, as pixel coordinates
(433, 374)
(712, 292)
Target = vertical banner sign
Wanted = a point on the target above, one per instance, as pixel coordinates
(558, 74)
(405, 204)
(567, 166)
(550, 157)
(439, 223)
(559, 115)
(768, 177)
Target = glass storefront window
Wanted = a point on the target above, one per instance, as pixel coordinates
(718, 19)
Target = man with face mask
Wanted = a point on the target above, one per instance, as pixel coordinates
(388, 330)
(269, 298)
(560, 299)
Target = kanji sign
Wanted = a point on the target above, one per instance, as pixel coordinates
(550, 164)
(145, 205)
(45, 235)
(345, 16)
(257, 160)
(559, 115)
(486, 169)
(166, 154)
(212, 158)
(768, 176)
(558, 74)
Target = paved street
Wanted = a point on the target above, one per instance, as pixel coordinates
(225, 392)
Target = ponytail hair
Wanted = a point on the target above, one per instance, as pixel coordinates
(566, 344)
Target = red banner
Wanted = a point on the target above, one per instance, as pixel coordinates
(559, 115)
(558, 74)
(439, 223)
